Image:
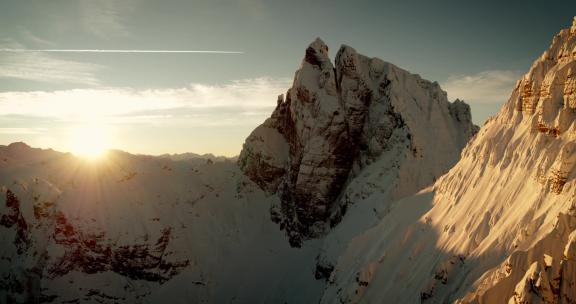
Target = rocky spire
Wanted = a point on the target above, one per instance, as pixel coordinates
(336, 120)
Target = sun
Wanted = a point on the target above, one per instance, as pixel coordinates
(90, 141)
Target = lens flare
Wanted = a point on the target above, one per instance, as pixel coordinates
(90, 141)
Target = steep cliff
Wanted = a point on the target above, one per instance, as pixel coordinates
(336, 120)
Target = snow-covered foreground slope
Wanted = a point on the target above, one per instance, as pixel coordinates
(141, 229)
(500, 227)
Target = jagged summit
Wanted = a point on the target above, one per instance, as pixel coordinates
(317, 52)
(335, 120)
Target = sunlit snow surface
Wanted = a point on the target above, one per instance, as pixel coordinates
(500, 225)
(222, 244)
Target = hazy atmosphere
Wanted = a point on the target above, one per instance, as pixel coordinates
(209, 102)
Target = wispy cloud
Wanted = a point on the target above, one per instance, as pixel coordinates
(38, 66)
(20, 131)
(254, 8)
(485, 87)
(243, 102)
(34, 39)
(106, 18)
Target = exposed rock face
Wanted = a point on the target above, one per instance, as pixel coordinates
(538, 91)
(546, 97)
(14, 219)
(48, 246)
(336, 120)
(546, 272)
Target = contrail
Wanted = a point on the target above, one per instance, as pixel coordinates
(119, 51)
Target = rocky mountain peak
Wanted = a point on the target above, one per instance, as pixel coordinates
(535, 95)
(544, 102)
(335, 120)
(317, 53)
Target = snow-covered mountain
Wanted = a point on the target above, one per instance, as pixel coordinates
(355, 190)
(209, 157)
(362, 116)
(141, 229)
(500, 227)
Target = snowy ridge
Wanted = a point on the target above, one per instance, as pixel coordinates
(499, 226)
(140, 229)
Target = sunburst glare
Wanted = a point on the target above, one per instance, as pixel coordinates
(90, 141)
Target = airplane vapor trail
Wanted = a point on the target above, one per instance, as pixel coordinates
(119, 51)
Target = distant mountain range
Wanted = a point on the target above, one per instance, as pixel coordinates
(191, 156)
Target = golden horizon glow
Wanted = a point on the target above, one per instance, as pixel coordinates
(90, 141)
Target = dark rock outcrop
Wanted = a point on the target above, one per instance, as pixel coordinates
(77, 251)
(335, 120)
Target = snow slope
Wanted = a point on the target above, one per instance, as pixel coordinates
(141, 229)
(500, 226)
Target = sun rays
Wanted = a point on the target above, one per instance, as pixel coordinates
(90, 141)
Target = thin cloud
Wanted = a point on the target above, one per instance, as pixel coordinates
(243, 102)
(486, 87)
(256, 9)
(41, 67)
(106, 18)
(20, 131)
(116, 51)
(33, 39)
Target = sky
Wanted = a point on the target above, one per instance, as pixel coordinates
(155, 103)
